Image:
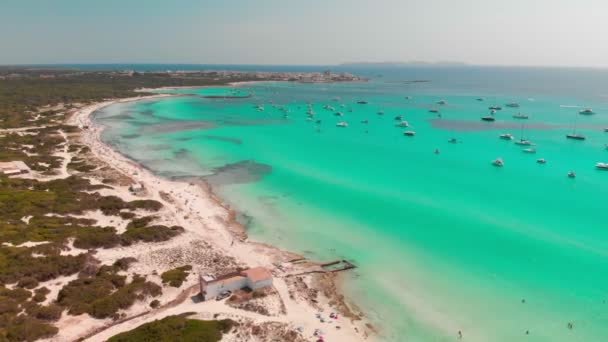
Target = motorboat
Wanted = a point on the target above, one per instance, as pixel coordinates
(506, 136)
(361, 102)
(399, 117)
(529, 150)
(601, 166)
(488, 118)
(493, 111)
(587, 111)
(512, 105)
(364, 121)
(402, 124)
(571, 174)
(408, 97)
(433, 111)
(409, 133)
(480, 99)
(520, 116)
(342, 124)
(442, 102)
(498, 162)
(453, 141)
(541, 161)
(495, 108)
(339, 114)
(380, 113)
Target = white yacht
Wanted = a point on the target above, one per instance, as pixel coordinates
(602, 166)
(342, 124)
(506, 136)
(529, 150)
(498, 162)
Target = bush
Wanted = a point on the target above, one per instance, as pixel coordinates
(123, 264)
(51, 312)
(95, 237)
(177, 328)
(27, 282)
(154, 304)
(176, 276)
(40, 294)
(150, 234)
(140, 222)
(25, 328)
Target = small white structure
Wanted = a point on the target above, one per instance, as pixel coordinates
(13, 168)
(253, 278)
(136, 187)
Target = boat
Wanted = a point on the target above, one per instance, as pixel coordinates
(380, 113)
(601, 166)
(480, 99)
(453, 141)
(605, 130)
(433, 111)
(342, 124)
(512, 105)
(488, 118)
(402, 124)
(361, 102)
(498, 162)
(541, 161)
(318, 121)
(364, 121)
(495, 108)
(571, 174)
(529, 150)
(408, 97)
(409, 133)
(520, 116)
(575, 136)
(339, 114)
(506, 136)
(493, 111)
(399, 117)
(522, 141)
(587, 111)
(442, 102)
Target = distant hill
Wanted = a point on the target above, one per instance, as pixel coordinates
(397, 64)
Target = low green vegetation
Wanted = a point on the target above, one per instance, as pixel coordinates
(177, 328)
(102, 295)
(176, 276)
(21, 319)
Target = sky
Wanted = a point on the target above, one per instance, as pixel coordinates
(305, 32)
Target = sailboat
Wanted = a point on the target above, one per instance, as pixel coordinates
(573, 135)
(521, 140)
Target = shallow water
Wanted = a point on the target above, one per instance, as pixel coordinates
(444, 242)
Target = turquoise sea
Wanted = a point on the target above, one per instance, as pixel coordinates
(443, 242)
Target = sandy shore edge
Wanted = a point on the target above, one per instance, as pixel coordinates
(214, 222)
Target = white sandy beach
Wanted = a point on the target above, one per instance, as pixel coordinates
(209, 235)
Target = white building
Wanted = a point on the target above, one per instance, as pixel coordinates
(253, 278)
(13, 168)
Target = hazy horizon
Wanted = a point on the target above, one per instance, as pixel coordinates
(476, 32)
